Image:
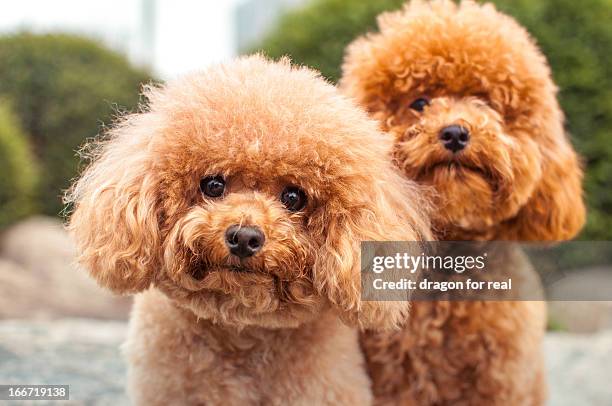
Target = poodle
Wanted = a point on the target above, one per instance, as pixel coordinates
(234, 203)
(470, 103)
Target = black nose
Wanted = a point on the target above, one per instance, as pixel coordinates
(244, 241)
(454, 137)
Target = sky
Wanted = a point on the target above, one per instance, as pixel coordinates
(187, 35)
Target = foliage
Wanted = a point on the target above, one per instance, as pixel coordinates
(18, 174)
(576, 36)
(63, 88)
(317, 34)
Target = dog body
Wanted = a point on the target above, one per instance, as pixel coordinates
(448, 356)
(470, 103)
(176, 359)
(236, 200)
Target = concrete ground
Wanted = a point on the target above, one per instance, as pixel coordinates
(85, 354)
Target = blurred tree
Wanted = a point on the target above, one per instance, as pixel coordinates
(576, 36)
(63, 88)
(18, 172)
(577, 39)
(317, 34)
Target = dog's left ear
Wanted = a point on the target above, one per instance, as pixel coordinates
(387, 208)
(116, 210)
(556, 210)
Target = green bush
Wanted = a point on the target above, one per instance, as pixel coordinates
(18, 174)
(317, 34)
(63, 88)
(576, 36)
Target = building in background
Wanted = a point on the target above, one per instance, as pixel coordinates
(167, 36)
(255, 17)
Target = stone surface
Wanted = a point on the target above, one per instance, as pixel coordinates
(85, 354)
(579, 368)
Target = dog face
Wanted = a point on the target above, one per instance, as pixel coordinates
(471, 105)
(242, 193)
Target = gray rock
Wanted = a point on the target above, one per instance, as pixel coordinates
(583, 316)
(39, 279)
(85, 354)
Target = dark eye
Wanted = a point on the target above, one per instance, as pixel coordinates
(293, 198)
(212, 186)
(419, 104)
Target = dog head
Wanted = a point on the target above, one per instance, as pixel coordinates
(242, 192)
(472, 107)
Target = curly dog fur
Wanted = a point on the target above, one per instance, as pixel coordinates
(273, 328)
(518, 178)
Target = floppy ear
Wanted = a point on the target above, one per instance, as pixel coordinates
(115, 218)
(385, 209)
(556, 210)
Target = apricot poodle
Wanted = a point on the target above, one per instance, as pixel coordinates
(235, 202)
(470, 103)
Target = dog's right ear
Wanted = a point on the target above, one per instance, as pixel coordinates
(392, 209)
(115, 222)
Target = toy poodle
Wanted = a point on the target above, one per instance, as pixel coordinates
(470, 103)
(235, 202)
